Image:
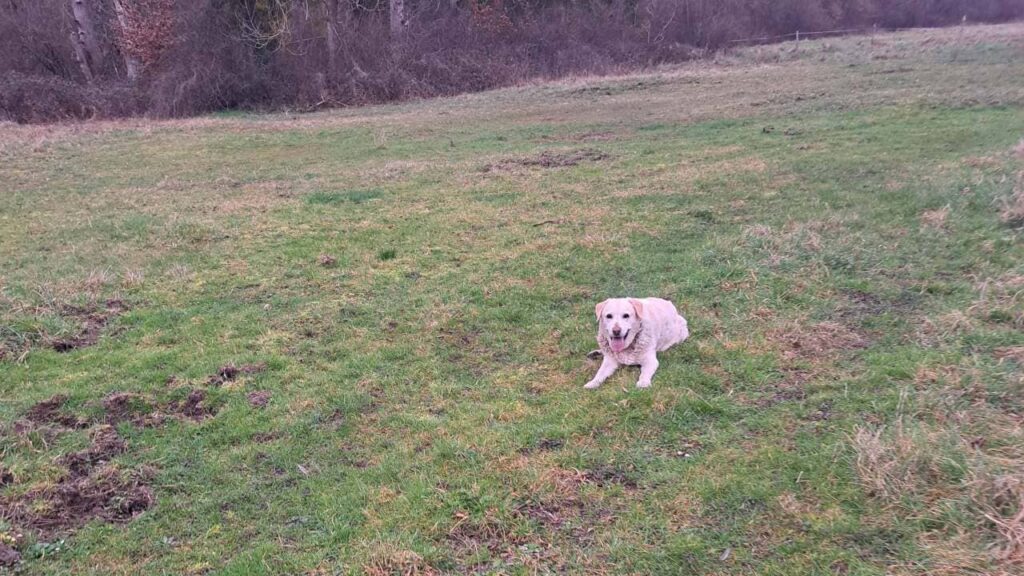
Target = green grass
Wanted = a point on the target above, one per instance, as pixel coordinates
(827, 217)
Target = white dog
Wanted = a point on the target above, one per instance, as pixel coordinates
(632, 331)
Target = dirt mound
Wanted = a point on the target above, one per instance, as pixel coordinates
(229, 372)
(92, 489)
(127, 407)
(51, 412)
(106, 494)
(8, 556)
(93, 320)
(144, 412)
(607, 475)
(194, 406)
(544, 444)
(106, 443)
(259, 399)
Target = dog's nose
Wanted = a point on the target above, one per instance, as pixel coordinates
(616, 331)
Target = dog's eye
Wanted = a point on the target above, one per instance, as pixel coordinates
(609, 316)
(625, 315)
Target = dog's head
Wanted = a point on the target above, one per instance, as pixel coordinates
(619, 319)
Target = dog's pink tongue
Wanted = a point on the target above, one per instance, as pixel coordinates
(617, 345)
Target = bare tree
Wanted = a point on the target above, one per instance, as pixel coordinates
(332, 37)
(396, 13)
(83, 38)
(131, 62)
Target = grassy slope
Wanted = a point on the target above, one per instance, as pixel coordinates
(826, 217)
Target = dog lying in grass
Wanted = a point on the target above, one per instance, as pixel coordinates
(632, 331)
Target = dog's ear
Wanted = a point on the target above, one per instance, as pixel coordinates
(638, 307)
(599, 308)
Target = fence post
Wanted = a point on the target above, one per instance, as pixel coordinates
(797, 36)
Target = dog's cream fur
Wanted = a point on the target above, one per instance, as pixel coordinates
(632, 331)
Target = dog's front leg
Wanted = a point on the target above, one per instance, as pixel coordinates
(648, 366)
(608, 367)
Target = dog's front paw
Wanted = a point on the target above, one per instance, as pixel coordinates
(643, 384)
(592, 384)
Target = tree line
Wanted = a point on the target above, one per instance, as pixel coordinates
(106, 58)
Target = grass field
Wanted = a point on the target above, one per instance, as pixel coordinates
(354, 341)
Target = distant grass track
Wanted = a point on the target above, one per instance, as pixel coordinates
(354, 342)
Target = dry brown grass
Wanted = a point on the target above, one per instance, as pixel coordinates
(912, 462)
(952, 450)
(897, 462)
(1012, 353)
(1000, 498)
(390, 560)
(953, 555)
(1012, 210)
(935, 219)
(1000, 300)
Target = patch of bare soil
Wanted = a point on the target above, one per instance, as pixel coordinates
(107, 494)
(469, 537)
(550, 444)
(128, 407)
(544, 444)
(570, 517)
(93, 488)
(823, 412)
(817, 341)
(8, 556)
(259, 398)
(194, 406)
(143, 412)
(468, 351)
(230, 372)
(790, 389)
(549, 159)
(264, 437)
(858, 305)
(607, 475)
(51, 412)
(106, 444)
(92, 320)
(560, 516)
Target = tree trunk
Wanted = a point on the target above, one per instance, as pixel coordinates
(332, 38)
(83, 38)
(396, 10)
(131, 63)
